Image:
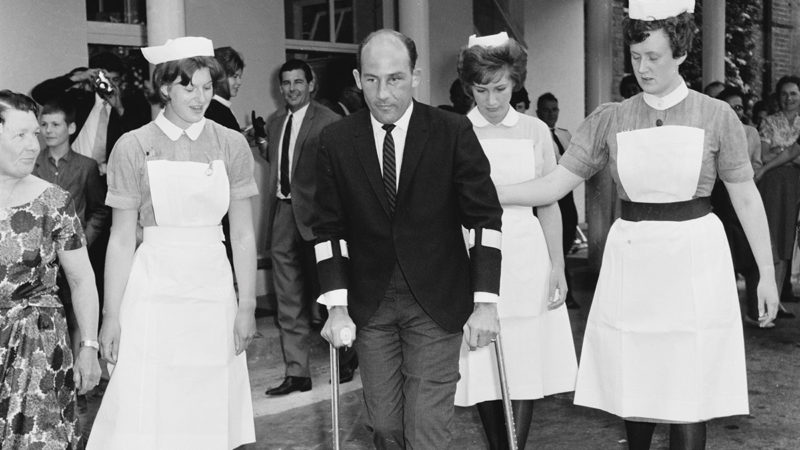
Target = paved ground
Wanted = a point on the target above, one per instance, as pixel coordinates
(302, 420)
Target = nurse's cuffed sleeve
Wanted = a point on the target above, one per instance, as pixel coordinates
(588, 150)
(241, 167)
(124, 172)
(733, 160)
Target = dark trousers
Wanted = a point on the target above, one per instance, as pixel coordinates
(294, 277)
(409, 370)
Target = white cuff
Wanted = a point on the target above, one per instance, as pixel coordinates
(489, 238)
(336, 297)
(324, 250)
(485, 297)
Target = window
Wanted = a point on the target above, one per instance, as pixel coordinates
(116, 11)
(331, 21)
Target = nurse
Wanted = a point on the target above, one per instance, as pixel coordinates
(172, 324)
(663, 342)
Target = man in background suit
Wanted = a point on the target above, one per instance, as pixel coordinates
(395, 184)
(292, 144)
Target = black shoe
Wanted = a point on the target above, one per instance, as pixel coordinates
(347, 371)
(572, 304)
(291, 384)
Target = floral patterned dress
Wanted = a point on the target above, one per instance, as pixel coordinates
(37, 393)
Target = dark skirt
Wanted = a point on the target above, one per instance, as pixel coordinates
(780, 191)
(37, 392)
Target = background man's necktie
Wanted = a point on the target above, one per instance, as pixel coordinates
(285, 162)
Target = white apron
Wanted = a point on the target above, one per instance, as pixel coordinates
(537, 343)
(664, 338)
(178, 384)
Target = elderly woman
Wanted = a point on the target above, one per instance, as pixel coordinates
(38, 231)
(779, 179)
(171, 322)
(664, 341)
(536, 332)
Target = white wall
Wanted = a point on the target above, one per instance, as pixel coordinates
(41, 39)
(450, 25)
(554, 33)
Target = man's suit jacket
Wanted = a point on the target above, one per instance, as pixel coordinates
(137, 110)
(304, 163)
(444, 184)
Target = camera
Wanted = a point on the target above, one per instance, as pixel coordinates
(102, 85)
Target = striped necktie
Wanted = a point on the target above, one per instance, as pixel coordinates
(389, 175)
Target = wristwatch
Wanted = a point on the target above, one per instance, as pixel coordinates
(90, 343)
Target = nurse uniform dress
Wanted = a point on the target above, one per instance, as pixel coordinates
(539, 351)
(664, 340)
(177, 383)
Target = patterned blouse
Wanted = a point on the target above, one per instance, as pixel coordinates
(777, 130)
(31, 234)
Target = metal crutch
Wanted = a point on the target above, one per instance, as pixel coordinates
(347, 337)
(507, 410)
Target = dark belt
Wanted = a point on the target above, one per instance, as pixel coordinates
(672, 212)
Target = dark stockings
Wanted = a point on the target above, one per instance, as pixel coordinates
(494, 423)
(689, 436)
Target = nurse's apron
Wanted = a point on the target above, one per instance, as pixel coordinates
(538, 346)
(664, 338)
(178, 384)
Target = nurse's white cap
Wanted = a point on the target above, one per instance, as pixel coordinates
(494, 40)
(658, 9)
(179, 48)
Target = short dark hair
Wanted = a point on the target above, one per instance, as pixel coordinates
(15, 100)
(729, 92)
(168, 72)
(107, 61)
(680, 30)
(296, 64)
(409, 44)
(230, 60)
(480, 65)
(546, 97)
(712, 85)
(520, 95)
(60, 105)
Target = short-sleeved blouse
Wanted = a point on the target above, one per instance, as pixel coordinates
(518, 131)
(725, 152)
(128, 182)
(31, 235)
(777, 130)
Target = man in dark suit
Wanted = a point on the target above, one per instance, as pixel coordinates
(395, 184)
(292, 144)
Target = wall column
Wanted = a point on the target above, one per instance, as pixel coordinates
(414, 22)
(600, 192)
(713, 41)
(166, 19)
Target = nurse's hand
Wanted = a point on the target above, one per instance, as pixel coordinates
(768, 300)
(557, 293)
(244, 329)
(109, 339)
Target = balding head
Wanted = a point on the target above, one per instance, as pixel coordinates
(387, 36)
